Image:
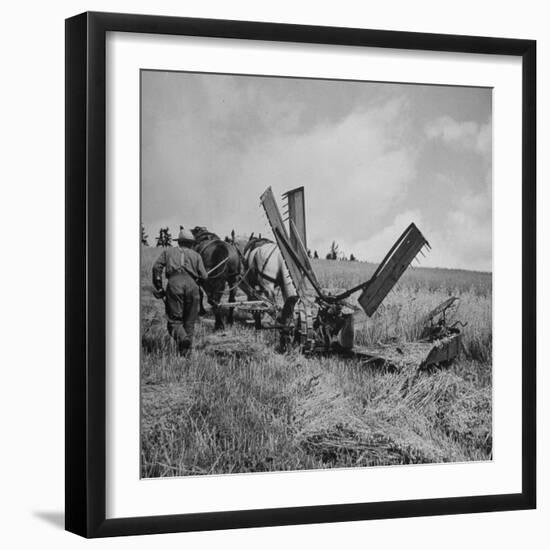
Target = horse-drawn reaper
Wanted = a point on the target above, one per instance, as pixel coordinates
(311, 317)
(322, 321)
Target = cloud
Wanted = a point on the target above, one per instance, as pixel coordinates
(228, 105)
(463, 240)
(372, 159)
(356, 169)
(353, 170)
(467, 135)
(375, 248)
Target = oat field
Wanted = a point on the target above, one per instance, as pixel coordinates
(235, 405)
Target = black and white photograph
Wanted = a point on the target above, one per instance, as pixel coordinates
(316, 274)
(288, 279)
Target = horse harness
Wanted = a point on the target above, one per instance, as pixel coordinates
(207, 239)
(262, 273)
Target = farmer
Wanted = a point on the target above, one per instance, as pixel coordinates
(184, 270)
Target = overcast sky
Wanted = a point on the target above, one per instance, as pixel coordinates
(372, 157)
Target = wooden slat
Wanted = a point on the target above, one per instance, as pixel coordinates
(279, 231)
(392, 270)
(297, 214)
(442, 307)
(301, 251)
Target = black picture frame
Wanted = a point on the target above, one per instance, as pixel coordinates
(86, 285)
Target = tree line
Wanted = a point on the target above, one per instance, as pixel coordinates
(164, 239)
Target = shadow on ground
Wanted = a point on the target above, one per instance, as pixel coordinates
(57, 519)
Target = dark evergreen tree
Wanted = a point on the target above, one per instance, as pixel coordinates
(144, 236)
(165, 238)
(333, 252)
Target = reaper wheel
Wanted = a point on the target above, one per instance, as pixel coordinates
(304, 333)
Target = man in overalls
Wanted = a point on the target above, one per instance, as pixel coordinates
(184, 268)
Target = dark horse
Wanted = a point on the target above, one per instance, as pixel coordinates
(222, 260)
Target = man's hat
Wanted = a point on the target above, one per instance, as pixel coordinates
(185, 235)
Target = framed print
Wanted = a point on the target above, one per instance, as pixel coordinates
(300, 274)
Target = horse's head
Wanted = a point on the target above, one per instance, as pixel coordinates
(240, 242)
(198, 231)
(202, 234)
(254, 241)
